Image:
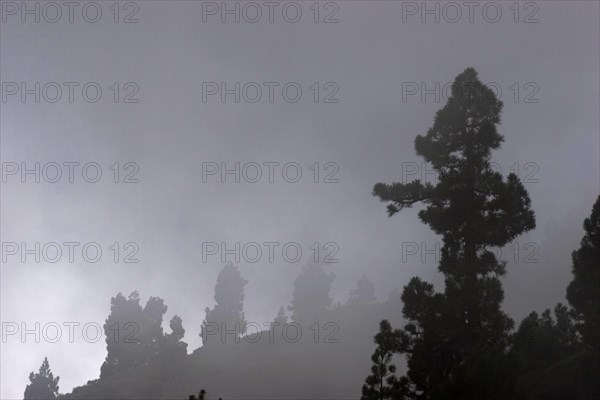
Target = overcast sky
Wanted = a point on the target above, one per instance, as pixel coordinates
(547, 72)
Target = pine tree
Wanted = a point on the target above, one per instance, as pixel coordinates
(583, 293)
(311, 298)
(281, 319)
(134, 335)
(228, 313)
(201, 396)
(456, 338)
(545, 358)
(175, 346)
(43, 384)
(121, 329)
(383, 382)
(151, 333)
(364, 293)
(543, 340)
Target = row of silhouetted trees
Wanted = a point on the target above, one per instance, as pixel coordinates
(134, 335)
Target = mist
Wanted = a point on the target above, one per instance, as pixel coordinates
(152, 146)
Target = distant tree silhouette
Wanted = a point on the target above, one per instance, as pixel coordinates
(228, 313)
(364, 293)
(281, 318)
(311, 297)
(43, 384)
(134, 335)
(455, 340)
(152, 337)
(121, 329)
(175, 346)
(201, 396)
(383, 382)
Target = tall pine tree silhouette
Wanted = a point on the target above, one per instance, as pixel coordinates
(583, 293)
(455, 339)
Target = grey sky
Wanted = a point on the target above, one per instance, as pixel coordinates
(369, 134)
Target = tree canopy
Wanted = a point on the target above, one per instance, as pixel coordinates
(228, 313)
(134, 335)
(583, 292)
(311, 297)
(454, 338)
(43, 385)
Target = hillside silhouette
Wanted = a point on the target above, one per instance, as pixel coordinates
(329, 358)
